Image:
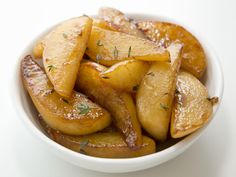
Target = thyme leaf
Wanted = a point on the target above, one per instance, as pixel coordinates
(213, 100)
(163, 106)
(65, 35)
(129, 52)
(99, 43)
(105, 77)
(83, 108)
(115, 52)
(83, 144)
(50, 67)
(65, 100)
(150, 74)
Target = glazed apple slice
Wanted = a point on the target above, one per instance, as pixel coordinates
(63, 50)
(110, 47)
(105, 145)
(192, 107)
(193, 56)
(75, 116)
(101, 144)
(125, 75)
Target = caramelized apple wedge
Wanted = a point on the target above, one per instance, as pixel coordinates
(105, 145)
(75, 116)
(126, 75)
(155, 94)
(192, 107)
(118, 19)
(62, 52)
(109, 47)
(193, 57)
(119, 104)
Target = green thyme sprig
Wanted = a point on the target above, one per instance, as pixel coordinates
(50, 67)
(83, 108)
(163, 106)
(99, 43)
(115, 52)
(129, 52)
(65, 35)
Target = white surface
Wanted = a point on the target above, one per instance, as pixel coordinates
(214, 154)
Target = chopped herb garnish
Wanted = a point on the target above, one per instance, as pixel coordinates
(151, 74)
(50, 67)
(131, 20)
(66, 101)
(65, 35)
(213, 100)
(163, 106)
(83, 144)
(129, 52)
(135, 88)
(105, 77)
(83, 108)
(87, 48)
(115, 52)
(98, 57)
(99, 43)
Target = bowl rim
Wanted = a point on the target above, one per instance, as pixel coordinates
(179, 146)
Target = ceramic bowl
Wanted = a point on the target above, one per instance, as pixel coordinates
(213, 80)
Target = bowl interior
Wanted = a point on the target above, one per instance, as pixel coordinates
(213, 80)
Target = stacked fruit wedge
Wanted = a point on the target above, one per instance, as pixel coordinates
(111, 87)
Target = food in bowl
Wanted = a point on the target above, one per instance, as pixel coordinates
(111, 87)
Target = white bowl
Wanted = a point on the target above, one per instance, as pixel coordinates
(213, 80)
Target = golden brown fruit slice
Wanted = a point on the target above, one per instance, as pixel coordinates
(192, 107)
(109, 47)
(193, 57)
(63, 51)
(120, 105)
(125, 75)
(76, 115)
(106, 145)
(155, 95)
(117, 18)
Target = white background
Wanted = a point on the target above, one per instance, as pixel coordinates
(213, 155)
